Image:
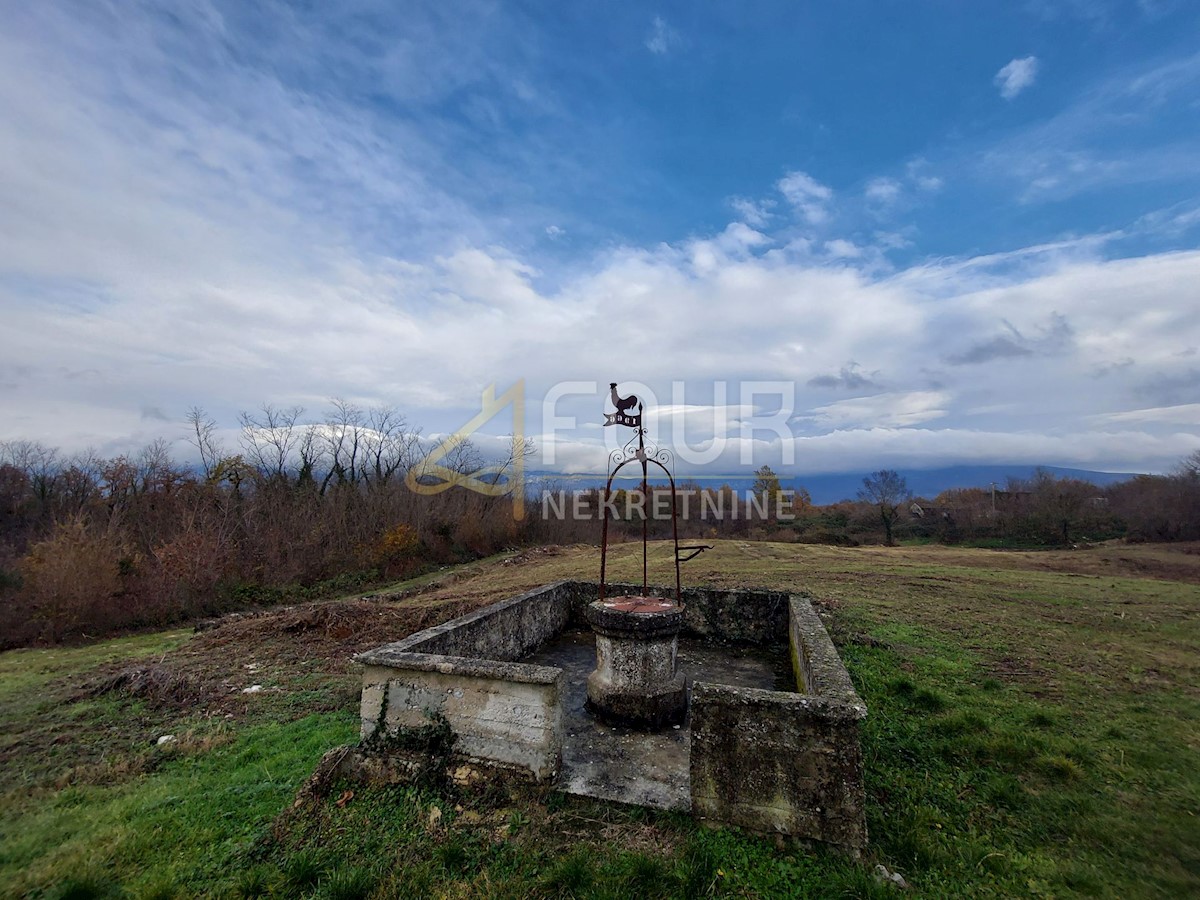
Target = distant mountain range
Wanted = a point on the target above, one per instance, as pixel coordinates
(931, 482)
(830, 488)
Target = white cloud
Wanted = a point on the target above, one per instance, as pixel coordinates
(863, 449)
(430, 336)
(662, 38)
(918, 174)
(887, 410)
(807, 195)
(754, 213)
(891, 240)
(1111, 135)
(249, 242)
(1180, 414)
(840, 248)
(1016, 76)
(882, 190)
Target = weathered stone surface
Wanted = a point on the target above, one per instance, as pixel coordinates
(637, 680)
(766, 760)
(506, 631)
(728, 616)
(635, 618)
(511, 716)
(664, 704)
(777, 762)
(783, 762)
(815, 661)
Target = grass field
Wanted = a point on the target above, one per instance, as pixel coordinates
(1034, 730)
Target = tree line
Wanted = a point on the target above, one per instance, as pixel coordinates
(92, 545)
(1042, 511)
(304, 508)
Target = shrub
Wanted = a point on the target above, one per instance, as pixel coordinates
(74, 576)
(190, 567)
(395, 550)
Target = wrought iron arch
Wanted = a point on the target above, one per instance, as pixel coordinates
(623, 456)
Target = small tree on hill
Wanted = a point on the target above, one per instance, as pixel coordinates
(886, 490)
(766, 484)
(1061, 506)
(769, 488)
(1190, 466)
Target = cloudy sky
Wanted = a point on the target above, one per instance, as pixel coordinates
(834, 236)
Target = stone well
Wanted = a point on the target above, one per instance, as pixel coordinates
(637, 679)
(780, 756)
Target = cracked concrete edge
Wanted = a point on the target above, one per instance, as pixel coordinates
(813, 706)
(469, 667)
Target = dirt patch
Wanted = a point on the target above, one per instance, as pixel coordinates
(297, 648)
(159, 685)
(277, 663)
(331, 631)
(533, 554)
(274, 650)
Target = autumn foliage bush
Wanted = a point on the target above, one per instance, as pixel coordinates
(75, 579)
(396, 551)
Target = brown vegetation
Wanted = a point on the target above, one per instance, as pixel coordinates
(92, 546)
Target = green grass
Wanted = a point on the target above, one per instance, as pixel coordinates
(24, 672)
(1033, 731)
(190, 822)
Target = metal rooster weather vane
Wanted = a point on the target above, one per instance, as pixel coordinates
(635, 449)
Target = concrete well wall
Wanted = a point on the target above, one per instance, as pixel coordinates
(773, 761)
(505, 713)
(815, 661)
(779, 761)
(725, 616)
(508, 630)
(502, 711)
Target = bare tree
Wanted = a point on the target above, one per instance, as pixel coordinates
(392, 446)
(885, 489)
(365, 447)
(41, 465)
(311, 451)
(270, 439)
(80, 480)
(343, 440)
(204, 438)
(464, 457)
(1189, 466)
(511, 469)
(1061, 505)
(155, 469)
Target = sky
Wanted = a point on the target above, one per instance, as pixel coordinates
(823, 237)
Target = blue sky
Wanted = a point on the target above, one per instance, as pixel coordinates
(962, 232)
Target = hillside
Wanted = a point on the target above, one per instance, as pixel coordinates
(1032, 729)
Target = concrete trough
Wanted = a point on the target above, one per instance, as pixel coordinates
(780, 761)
